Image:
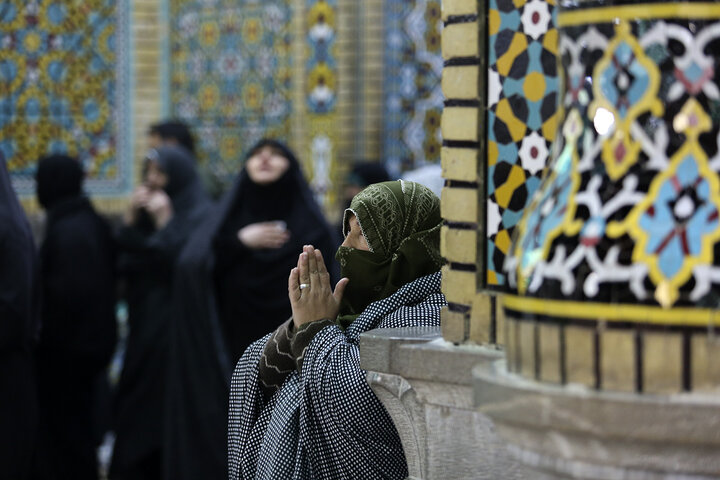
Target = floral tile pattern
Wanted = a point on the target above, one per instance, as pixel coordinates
(64, 89)
(231, 75)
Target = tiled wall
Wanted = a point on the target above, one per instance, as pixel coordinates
(67, 88)
(236, 71)
(231, 75)
(412, 94)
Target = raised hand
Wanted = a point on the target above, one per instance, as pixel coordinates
(309, 289)
(160, 208)
(138, 200)
(264, 235)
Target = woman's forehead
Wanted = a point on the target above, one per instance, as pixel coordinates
(272, 150)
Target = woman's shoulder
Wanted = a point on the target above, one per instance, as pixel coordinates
(423, 290)
(416, 304)
(420, 312)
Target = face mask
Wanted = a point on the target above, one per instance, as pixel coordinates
(368, 274)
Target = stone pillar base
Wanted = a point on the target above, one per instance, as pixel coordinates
(577, 433)
(425, 384)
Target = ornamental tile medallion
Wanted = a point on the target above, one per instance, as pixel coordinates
(676, 226)
(626, 86)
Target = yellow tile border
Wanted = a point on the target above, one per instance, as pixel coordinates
(684, 317)
(649, 11)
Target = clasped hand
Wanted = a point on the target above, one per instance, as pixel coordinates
(264, 235)
(316, 300)
(155, 202)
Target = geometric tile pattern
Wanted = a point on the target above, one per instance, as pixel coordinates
(64, 88)
(231, 75)
(629, 212)
(413, 96)
(521, 122)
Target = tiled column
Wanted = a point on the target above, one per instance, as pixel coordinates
(614, 271)
(500, 84)
(66, 87)
(612, 313)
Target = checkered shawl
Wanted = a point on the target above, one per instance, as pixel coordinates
(325, 422)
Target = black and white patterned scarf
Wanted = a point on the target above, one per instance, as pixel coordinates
(325, 422)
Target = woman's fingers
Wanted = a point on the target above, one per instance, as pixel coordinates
(293, 287)
(303, 268)
(312, 261)
(320, 262)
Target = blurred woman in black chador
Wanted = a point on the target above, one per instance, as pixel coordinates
(163, 212)
(78, 333)
(19, 301)
(231, 289)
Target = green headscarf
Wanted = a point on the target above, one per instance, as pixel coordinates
(401, 223)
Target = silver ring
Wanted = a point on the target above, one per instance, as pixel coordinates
(303, 286)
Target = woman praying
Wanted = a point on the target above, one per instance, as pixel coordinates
(300, 406)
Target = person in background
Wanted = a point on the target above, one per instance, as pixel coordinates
(171, 132)
(19, 314)
(300, 405)
(362, 174)
(177, 133)
(163, 212)
(230, 290)
(78, 332)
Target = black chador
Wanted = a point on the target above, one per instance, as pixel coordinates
(147, 261)
(78, 332)
(227, 296)
(19, 300)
